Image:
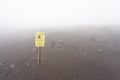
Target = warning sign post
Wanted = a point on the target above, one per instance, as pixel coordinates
(40, 42)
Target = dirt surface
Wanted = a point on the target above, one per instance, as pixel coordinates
(76, 54)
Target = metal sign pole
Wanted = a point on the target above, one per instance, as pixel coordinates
(39, 55)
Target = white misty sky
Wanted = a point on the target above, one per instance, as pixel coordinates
(59, 12)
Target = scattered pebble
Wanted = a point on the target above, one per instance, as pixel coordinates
(84, 54)
(1, 64)
(32, 72)
(27, 64)
(12, 65)
(99, 50)
(42, 58)
(33, 49)
(60, 48)
(61, 73)
(3, 75)
(74, 79)
(60, 41)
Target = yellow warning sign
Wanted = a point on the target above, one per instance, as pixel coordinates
(40, 39)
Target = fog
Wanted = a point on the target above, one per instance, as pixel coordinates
(20, 17)
(48, 13)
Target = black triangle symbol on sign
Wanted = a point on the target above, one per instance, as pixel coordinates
(38, 36)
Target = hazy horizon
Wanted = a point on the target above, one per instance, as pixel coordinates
(37, 13)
